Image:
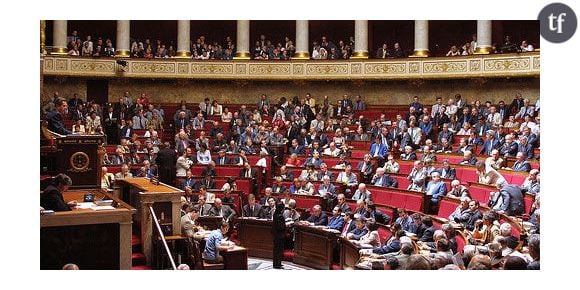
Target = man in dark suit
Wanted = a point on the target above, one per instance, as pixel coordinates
(344, 207)
(252, 209)
(481, 127)
(222, 159)
(52, 199)
(373, 213)
(127, 130)
(296, 148)
(429, 229)
(384, 180)
(249, 172)
(204, 208)
(512, 200)
(286, 174)
(324, 172)
(222, 210)
(207, 181)
(349, 223)
(489, 144)
(55, 119)
(166, 161)
(509, 148)
(390, 245)
(189, 181)
(446, 171)
(318, 217)
(366, 169)
(521, 163)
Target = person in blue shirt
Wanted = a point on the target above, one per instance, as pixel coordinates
(215, 243)
(336, 222)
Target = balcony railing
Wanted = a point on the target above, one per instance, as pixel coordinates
(496, 65)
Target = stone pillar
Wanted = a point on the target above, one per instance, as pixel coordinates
(483, 37)
(243, 40)
(123, 41)
(301, 40)
(183, 39)
(59, 37)
(42, 37)
(361, 39)
(421, 38)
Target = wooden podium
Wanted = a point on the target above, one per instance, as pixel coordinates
(78, 156)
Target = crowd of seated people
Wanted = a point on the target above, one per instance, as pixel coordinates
(314, 132)
(76, 46)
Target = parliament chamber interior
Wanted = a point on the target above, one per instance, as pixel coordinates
(293, 144)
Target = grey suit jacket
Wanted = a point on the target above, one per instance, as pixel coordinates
(226, 212)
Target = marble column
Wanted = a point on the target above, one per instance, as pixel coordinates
(59, 37)
(183, 39)
(361, 39)
(421, 38)
(483, 37)
(123, 41)
(43, 37)
(243, 40)
(301, 40)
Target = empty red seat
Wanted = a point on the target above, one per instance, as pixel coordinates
(447, 207)
(414, 202)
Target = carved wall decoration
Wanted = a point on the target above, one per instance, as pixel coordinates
(385, 68)
(92, 66)
(152, 67)
(269, 69)
(508, 65)
(445, 67)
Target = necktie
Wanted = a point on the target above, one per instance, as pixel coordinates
(344, 230)
(142, 123)
(248, 173)
(364, 167)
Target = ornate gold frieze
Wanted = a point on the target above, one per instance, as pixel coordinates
(514, 65)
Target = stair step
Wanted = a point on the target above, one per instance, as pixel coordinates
(140, 268)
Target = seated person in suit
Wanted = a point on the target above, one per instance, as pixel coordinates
(495, 161)
(444, 147)
(417, 177)
(436, 188)
(215, 243)
(359, 231)
(372, 213)
(336, 221)
(428, 156)
(222, 210)
(222, 159)
(446, 171)
(252, 209)
(317, 217)
(468, 158)
(509, 148)
(124, 172)
(371, 239)
(323, 171)
(291, 215)
(278, 187)
(107, 178)
(384, 180)
(267, 194)
(315, 160)
(521, 163)
(306, 187)
(462, 212)
(429, 229)
(409, 154)
(341, 202)
(391, 166)
(347, 177)
(349, 223)
(331, 151)
(52, 199)
(285, 173)
(296, 148)
(342, 162)
(309, 173)
(531, 184)
(362, 193)
(189, 224)
(207, 181)
(463, 146)
(366, 168)
(457, 190)
(327, 189)
(391, 245)
(204, 208)
(406, 222)
(268, 209)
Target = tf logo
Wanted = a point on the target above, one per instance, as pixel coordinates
(557, 22)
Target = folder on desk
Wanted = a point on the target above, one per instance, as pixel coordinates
(102, 207)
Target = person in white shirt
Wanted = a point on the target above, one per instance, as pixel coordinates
(203, 155)
(526, 47)
(451, 109)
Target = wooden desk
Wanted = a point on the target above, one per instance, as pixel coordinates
(349, 253)
(94, 240)
(165, 200)
(236, 258)
(256, 236)
(314, 246)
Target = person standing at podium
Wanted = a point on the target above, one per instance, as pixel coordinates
(278, 233)
(55, 119)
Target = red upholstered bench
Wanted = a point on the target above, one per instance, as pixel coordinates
(405, 167)
(446, 207)
(403, 182)
(480, 192)
(305, 201)
(384, 233)
(414, 202)
(528, 201)
(360, 145)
